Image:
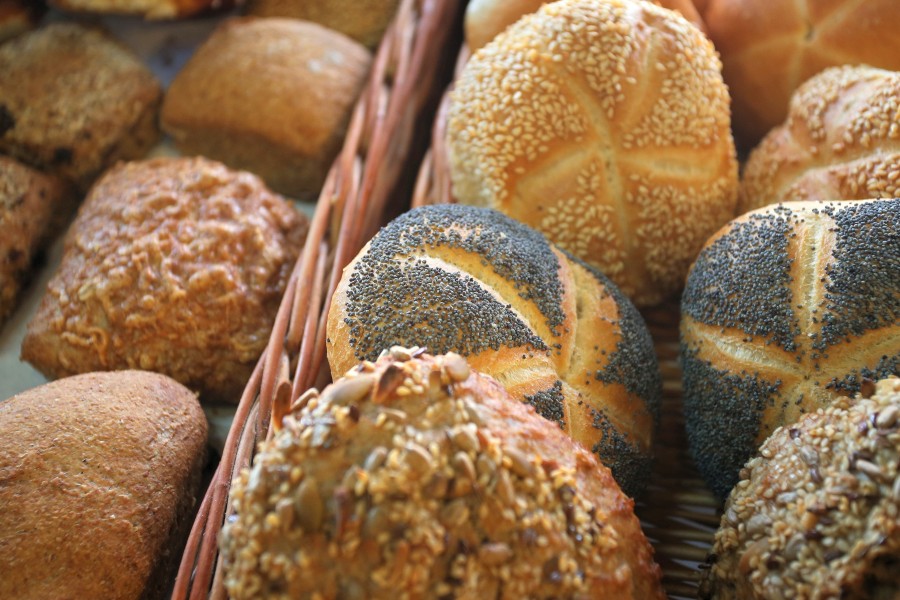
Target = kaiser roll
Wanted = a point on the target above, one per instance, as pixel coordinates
(556, 333)
(415, 477)
(841, 141)
(786, 309)
(605, 125)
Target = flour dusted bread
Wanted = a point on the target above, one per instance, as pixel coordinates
(174, 265)
(769, 48)
(416, 477)
(100, 474)
(841, 141)
(73, 102)
(605, 125)
(786, 309)
(270, 96)
(556, 333)
(149, 9)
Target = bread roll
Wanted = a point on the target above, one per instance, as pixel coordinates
(786, 309)
(363, 20)
(769, 48)
(174, 265)
(485, 19)
(149, 9)
(556, 333)
(815, 516)
(270, 96)
(73, 102)
(616, 144)
(418, 478)
(99, 475)
(33, 208)
(841, 141)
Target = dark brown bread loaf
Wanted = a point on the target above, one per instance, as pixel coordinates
(98, 476)
(556, 333)
(415, 477)
(786, 309)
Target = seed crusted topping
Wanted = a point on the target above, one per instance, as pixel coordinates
(426, 492)
(549, 404)
(817, 513)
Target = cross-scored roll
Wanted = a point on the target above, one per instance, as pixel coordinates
(786, 309)
(556, 333)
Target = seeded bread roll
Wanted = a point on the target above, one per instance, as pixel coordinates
(270, 96)
(786, 309)
(33, 208)
(815, 516)
(556, 333)
(174, 265)
(615, 144)
(841, 141)
(769, 48)
(415, 477)
(485, 19)
(149, 9)
(73, 102)
(363, 20)
(99, 475)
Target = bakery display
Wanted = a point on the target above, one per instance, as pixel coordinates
(33, 208)
(100, 474)
(841, 141)
(416, 476)
(270, 96)
(485, 19)
(768, 50)
(555, 332)
(73, 102)
(785, 310)
(174, 265)
(815, 515)
(628, 164)
(149, 9)
(363, 20)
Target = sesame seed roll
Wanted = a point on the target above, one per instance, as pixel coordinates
(556, 333)
(786, 309)
(604, 124)
(841, 141)
(416, 477)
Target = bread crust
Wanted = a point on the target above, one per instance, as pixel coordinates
(442, 487)
(95, 484)
(175, 265)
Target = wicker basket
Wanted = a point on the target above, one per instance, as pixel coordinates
(404, 84)
(678, 513)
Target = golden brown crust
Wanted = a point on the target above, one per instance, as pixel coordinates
(769, 49)
(174, 265)
(33, 208)
(92, 484)
(628, 163)
(419, 478)
(841, 141)
(363, 20)
(271, 96)
(73, 102)
(149, 9)
(816, 513)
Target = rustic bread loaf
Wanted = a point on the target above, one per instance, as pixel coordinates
(769, 48)
(363, 20)
(270, 96)
(485, 19)
(99, 475)
(786, 309)
(416, 477)
(73, 102)
(149, 9)
(615, 144)
(33, 208)
(174, 265)
(815, 515)
(841, 141)
(556, 333)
